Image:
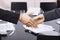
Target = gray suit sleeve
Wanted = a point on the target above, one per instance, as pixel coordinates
(53, 14)
(9, 16)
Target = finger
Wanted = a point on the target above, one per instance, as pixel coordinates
(38, 17)
(32, 26)
(35, 25)
(28, 24)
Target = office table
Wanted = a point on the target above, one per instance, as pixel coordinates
(20, 34)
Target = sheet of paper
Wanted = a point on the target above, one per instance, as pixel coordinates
(4, 27)
(40, 28)
(7, 26)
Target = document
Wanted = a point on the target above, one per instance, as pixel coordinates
(7, 26)
(40, 28)
(4, 27)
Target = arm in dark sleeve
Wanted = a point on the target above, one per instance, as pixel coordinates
(9, 16)
(53, 14)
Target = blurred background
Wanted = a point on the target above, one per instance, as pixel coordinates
(30, 3)
(19, 6)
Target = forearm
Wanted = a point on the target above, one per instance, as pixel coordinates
(51, 15)
(9, 16)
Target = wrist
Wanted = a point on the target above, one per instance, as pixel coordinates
(42, 17)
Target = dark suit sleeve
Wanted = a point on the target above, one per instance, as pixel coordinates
(53, 14)
(9, 16)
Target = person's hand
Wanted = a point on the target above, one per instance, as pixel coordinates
(38, 20)
(31, 22)
(26, 19)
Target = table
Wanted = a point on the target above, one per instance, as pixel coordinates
(20, 34)
(50, 35)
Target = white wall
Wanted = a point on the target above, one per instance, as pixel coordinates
(30, 3)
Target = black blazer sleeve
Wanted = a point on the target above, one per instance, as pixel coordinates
(9, 16)
(53, 14)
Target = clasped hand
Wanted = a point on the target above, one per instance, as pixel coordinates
(29, 21)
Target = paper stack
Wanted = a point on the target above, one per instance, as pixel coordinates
(40, 28)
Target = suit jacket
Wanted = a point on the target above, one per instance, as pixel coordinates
(9, 16)
(53, 14)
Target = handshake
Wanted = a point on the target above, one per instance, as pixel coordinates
(29, 21)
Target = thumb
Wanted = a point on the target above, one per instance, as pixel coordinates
(38, 17)
(30, 13)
